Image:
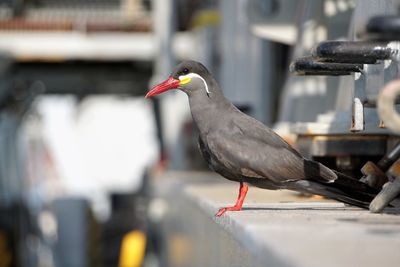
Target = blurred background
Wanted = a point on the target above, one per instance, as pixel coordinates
(79, 143)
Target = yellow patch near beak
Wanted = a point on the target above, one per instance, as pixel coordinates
(185, 81)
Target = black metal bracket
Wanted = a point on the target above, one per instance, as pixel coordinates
(355, 52)
(312, 66)
(335, 58)
(384, 28)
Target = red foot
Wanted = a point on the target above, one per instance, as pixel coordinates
(239, 202)
(221, 211)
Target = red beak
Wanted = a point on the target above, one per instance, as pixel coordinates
(168, 84)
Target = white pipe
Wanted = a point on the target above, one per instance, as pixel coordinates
(386, 105)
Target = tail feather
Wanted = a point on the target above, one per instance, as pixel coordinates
(316, 171)
(347, 183)
(343, 188)
(329, 191)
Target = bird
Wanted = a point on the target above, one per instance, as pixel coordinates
(242, 149)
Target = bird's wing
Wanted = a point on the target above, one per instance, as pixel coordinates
(252, 158)
(256, 130)
(253, 150)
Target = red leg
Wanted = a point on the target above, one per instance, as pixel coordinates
(239, 202)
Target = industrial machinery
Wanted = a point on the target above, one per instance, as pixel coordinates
(354, 135)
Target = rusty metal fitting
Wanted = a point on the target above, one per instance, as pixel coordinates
(394, 171)
(386, 105)
(373, 175)
(390, 190)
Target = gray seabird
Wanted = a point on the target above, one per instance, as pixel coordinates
(242, 149)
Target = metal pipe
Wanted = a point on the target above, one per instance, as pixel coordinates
(374, 175)
(389, 191)
(387, 161)
(386, 105)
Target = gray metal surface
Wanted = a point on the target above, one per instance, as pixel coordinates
(248, 63)
(303, 98)
(276, 228)
(76, 234)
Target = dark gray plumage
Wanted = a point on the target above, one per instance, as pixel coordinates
(243, 149)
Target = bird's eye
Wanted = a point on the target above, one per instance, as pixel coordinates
(185, 71)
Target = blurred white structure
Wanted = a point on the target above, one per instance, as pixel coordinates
(103, 144)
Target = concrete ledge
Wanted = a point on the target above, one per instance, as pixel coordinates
(276, 228)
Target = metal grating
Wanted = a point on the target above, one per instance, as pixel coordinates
(64, 15)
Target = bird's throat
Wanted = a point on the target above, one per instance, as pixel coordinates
(208, 112)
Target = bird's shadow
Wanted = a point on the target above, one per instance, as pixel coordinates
(292, 208)
(390, 211)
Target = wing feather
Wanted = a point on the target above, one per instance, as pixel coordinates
(254, 158)
(251, 149)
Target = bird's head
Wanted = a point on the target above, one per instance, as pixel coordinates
(189, 76)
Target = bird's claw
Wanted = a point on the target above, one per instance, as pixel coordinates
(221, 211)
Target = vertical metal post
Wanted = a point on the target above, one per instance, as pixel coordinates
(367, 84)
(164, 27)
(357, 117)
